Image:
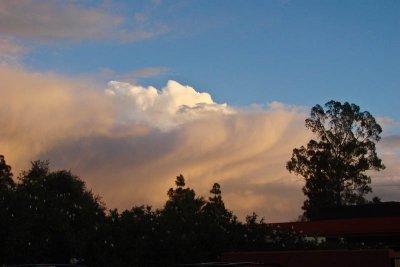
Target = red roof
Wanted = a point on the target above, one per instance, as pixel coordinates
(387, 226)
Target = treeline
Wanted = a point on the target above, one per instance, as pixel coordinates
(51, 217)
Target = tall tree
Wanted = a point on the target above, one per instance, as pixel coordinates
(334, 165)
(215, 208)
(180, 219)
(183, 200)
(218, 225)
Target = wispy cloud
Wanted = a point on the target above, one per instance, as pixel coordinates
(134, 75)
(11, 52)
(52, 20)
(144, 73)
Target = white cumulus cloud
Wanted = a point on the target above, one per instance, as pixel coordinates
(173, 105)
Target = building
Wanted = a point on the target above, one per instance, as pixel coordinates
(374, 229)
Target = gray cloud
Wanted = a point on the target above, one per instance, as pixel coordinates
(386, 183)
(49, 20)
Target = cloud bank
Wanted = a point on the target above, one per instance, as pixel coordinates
(129, 142)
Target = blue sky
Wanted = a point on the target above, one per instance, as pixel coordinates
(252, 52)
(215, 90)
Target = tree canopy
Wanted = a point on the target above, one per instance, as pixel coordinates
(53, 217)
(334, 165)
(50, 216)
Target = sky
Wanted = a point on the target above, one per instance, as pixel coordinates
(130, 94)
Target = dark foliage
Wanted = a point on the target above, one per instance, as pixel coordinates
(334, 166)
(7, 187)
(50, 216)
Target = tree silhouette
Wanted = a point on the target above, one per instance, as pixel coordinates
(183, 201)
(50, 216)
(334, 165)
(219, 224)
(6, 176)
(181, 219)
(7, 186)
(55, 217)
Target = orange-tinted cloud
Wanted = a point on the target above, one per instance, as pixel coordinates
(130, 161)
(245, 153)
(40, 110)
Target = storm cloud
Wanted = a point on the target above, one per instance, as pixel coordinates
(129, 142)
